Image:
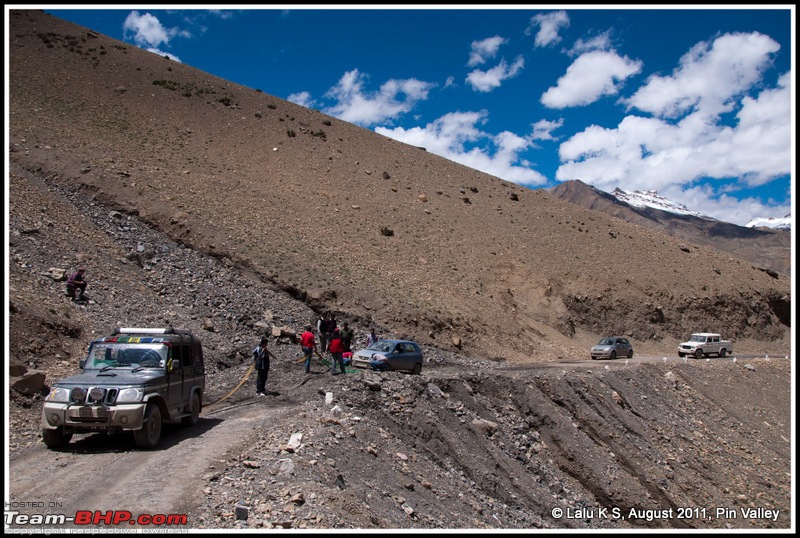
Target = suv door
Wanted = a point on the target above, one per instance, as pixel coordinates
(194, 382)
(193, 370)
(175, 398)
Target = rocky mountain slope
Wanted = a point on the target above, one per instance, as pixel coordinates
(470, 443)
(347, 220)
(184, 214)
(764, 248)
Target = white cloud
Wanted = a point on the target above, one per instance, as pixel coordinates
(599, 42)
(591, 76)
(542, 129)
(485, 49)
(356, 106)
(162, 53)
(722, 207)
(761, 143)
(709, 77)
(222, 13)
(486, 81)
(549, 25)
(654, 154)
(147, 31)
(302, 99)
(455, 136)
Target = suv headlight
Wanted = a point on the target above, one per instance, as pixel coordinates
(130, 395)
(58, 394)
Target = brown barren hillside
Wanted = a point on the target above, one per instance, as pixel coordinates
(350, 221)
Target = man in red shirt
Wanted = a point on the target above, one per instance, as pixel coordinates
(336, 347)
(309, 345)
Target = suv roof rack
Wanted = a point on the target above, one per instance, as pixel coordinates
(150, 330)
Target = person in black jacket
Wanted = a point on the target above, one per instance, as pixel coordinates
(332, 325)
(261, 357)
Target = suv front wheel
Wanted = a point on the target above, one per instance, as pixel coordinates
(150, 433)
(55, 438)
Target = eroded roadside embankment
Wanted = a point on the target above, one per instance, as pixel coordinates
(661, 439)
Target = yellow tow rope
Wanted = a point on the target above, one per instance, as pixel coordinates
(252, 366)
(237, 386)
(249, 371)
(299, 359)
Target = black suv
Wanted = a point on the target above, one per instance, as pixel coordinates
(134, 379)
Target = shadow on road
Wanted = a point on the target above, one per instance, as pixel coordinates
(101, 443)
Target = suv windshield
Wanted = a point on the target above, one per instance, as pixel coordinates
(116, 355)
(697, 338)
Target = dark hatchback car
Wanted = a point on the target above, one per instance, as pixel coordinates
(390, 355)
(611, 348)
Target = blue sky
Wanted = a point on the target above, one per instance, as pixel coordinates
(695, 103)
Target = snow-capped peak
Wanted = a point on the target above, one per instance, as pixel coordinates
(653, 199)
(784, 223)
(642, 199)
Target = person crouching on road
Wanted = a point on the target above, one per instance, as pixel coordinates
(336, 347)
(308, 345)
(261, 357)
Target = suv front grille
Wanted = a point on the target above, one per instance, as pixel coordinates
(93, 395)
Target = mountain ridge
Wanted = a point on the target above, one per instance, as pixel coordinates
(764, 248)
(782, 223)
(655, 200)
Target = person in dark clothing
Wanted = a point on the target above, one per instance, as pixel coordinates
(347, 337)
(332, 324)
(76, 284)
(261, 357)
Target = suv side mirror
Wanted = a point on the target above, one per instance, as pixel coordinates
(82, 364)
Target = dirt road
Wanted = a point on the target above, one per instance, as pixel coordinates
(103, 473)
(455, 447)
